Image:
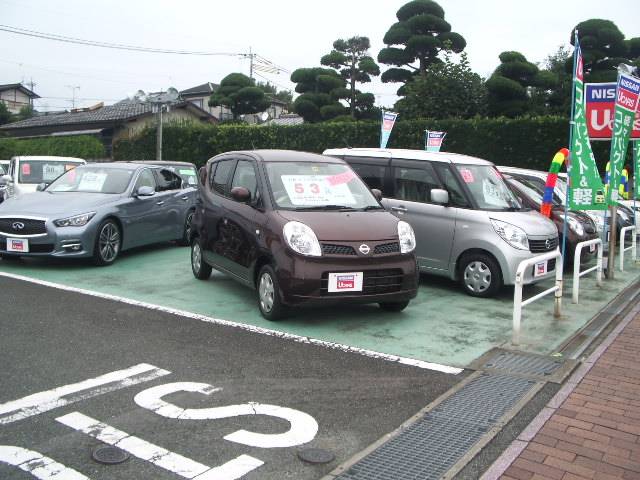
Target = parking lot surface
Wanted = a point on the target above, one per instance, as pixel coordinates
(442, 325)
(185, 398)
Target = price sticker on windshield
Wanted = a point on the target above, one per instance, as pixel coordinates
(51, 171)
(316, 190)
(92, 182)
(467, 175)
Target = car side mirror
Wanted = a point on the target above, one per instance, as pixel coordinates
(439, 196)
(240, 194)
(5, 179)
(377, 194)
(41, 187)
(145, 191)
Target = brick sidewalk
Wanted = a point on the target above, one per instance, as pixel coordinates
(591, 428)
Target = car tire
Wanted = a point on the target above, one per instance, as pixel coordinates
(269, 302)
(185, 241)
(393, 306)
(108, 242)
(480, 275)
(201, 269)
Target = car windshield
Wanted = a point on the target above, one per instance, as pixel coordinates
(487, 187)
(317, 186)
(93, 179)
(530, 191)
(187, 173)
(43, 171)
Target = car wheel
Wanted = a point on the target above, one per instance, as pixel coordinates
(201, 269)
(480, 275)
(394, 306)
(108, 242)
(186, 233)
(269, 302)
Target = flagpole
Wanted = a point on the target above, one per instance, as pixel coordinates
(381, 124)
(569, 162)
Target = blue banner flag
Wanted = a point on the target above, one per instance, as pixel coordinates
(388, 120)
(433, 140)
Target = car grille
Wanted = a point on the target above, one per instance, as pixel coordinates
(31, 227)
(33, 248)
(387, 248)
(541, 246)
(330, 249)
(374, 282)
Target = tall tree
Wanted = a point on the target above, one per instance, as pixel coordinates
(239, 94)
(5, 114)
(447, 90)
(351, 59)
(321, 90)
(419, 36)
(271, 91)
(603, 48)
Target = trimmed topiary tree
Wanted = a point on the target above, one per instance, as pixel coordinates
(239, 94)
(320, 89)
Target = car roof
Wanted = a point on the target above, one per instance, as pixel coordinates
(523, 171)
(283, 156)
(408, 154)
(48, 157)
(121, 165)
(160, 162)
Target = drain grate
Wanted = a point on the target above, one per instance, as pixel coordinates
(430, 447)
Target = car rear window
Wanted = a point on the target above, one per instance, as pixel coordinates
(43, 171)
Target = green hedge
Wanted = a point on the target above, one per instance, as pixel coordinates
(83, 146)
(528, 142)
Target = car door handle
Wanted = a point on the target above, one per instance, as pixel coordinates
(185, 198)
(160, 202)
(399, 209)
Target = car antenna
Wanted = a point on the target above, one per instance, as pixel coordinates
(346, 143)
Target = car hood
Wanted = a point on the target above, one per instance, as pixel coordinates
(372, 225)
(532, 222)
(45, 204)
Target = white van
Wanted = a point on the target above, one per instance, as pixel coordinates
(27, 172)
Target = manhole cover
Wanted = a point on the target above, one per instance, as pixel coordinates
(109, 455)
(316, 455)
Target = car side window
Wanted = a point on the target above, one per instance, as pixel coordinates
(456, 194)
(220, 178)
(245, 176)
(414, 184)
(145, 179)
(373, 175)
(167, 180)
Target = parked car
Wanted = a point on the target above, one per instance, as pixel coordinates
(469, 225)
(27, 172)
(580, 227)
(96, 210)
(4, 169)
(300, 229)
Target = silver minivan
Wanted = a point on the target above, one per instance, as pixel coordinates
(27, 172)
(469, 225)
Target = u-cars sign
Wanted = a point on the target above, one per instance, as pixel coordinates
(600, 99)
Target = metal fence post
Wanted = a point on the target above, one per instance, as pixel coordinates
(576, 266)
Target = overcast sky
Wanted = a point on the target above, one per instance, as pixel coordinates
(291, 34)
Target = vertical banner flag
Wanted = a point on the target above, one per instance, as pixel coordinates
(587, 191)
(627, 97)
(388, 120)
(636, 170)
(433, 140)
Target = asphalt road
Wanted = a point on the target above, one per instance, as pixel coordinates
(241, 401)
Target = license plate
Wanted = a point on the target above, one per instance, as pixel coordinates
(345, 282)
(17, 245)
(540, 269)
(592, 248)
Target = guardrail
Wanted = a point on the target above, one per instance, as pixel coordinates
(623, 232)
(518, 303)
(576, 266)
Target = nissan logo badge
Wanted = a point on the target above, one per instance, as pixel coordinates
(17, 226)
(364, 249)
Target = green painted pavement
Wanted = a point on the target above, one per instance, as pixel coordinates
(441, 325)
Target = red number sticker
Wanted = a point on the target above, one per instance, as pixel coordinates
(299, 188)
(467, 175)
(315, 188)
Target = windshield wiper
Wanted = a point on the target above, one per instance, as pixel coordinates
(326, 207)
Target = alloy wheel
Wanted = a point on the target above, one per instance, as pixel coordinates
(266, 292)
(109, 242)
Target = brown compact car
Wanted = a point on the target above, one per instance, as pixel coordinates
(301, 229)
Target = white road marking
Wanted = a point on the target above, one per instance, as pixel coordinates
(37, 465)
(58, 397)
(303, 426)
(156, 455)
(251, 328)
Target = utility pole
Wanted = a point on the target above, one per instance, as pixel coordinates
(73, 95)
(250, 63)
(159, 132)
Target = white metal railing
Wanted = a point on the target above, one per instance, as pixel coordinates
(518, 303)
(623, 232)
(576, 265)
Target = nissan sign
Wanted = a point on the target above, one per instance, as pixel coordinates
(600, 99)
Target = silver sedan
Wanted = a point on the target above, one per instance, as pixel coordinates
(97, 211)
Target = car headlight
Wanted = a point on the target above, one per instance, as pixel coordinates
(514, 236)
(575, 225)
(75, 221)
(623, 215)
(407, 237)
(302, 239)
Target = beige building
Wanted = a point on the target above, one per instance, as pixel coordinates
(16, 96)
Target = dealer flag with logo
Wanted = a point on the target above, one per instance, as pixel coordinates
(388, 120)
(433, 140)
(587, 191)
(627, 98)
